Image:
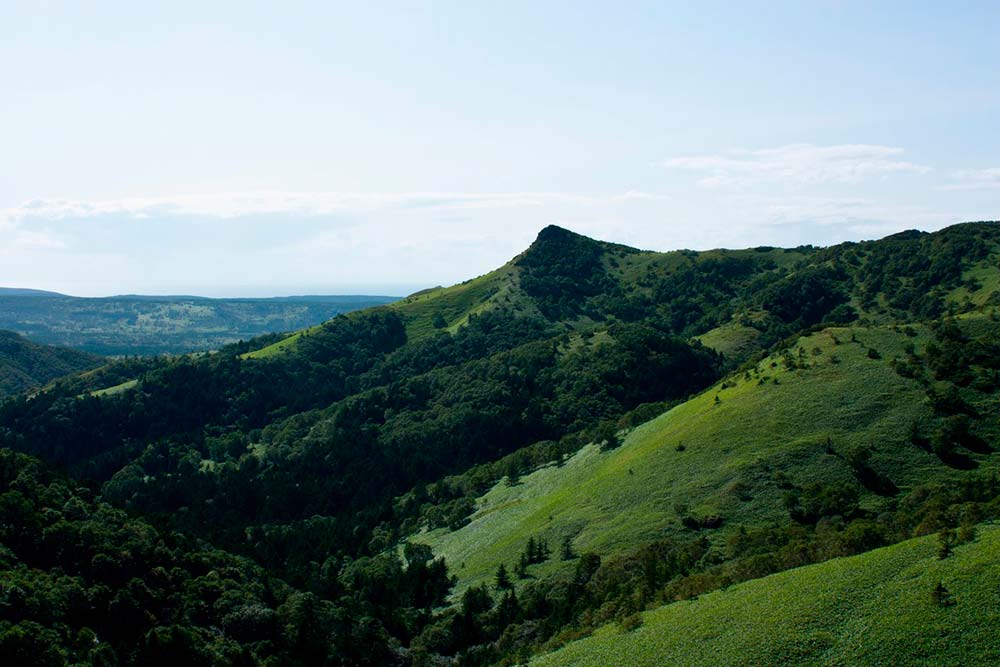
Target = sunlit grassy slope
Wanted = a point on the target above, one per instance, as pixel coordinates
(282, 346)
(454, 305)
(872, 609)
(715, 457)
(733, 340)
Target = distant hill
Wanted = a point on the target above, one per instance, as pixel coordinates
(25, 365)
(138, 324)
(19, 291)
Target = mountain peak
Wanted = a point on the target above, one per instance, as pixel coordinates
(555, 232)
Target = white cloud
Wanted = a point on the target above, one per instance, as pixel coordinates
(291, 242)
(975, 179)
(240, 204)
(860, 217)
(799, 164)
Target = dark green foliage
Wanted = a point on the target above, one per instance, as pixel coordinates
(561, 269)
(502, 579)
(817, 500)
(941, 596)
(806, 297)
(946, 539)
(85, 583)
(566, 549)
(25, 365)
(606, 435)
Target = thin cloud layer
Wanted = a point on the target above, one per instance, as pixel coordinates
(975, 179)
(796, 164)
(238, 204)
(272, 242)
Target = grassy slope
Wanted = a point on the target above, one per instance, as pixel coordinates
(455, 304)
(872, 609)
(733, 340)
(987, 274)
(609, 501)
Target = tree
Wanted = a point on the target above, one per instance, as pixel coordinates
(502, 578)
(521, 569)
(606, 435)
(566, 550)
(941, 596)
(945, 539)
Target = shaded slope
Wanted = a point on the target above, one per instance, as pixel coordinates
(25, 365)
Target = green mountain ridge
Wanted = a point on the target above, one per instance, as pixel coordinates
(618, 428)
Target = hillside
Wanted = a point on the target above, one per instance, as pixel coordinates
(733, 452)
(616, 427)
(25, 365)
(133, 324)
(872, 609)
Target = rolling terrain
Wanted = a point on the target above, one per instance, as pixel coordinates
(131, 324)
(589, 432)
(732, 452)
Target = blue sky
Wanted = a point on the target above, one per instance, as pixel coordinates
(243, 149)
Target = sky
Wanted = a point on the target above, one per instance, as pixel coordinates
(258, 149)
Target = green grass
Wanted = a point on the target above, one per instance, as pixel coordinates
(611, 501)
(733, 340)
(282, 346)
(455, 304)
(117, 389)
(987, 273)
(872, 609)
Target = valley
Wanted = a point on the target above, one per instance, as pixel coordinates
(145, 325)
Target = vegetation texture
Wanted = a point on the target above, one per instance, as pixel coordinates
(879, 608)
(479, 474)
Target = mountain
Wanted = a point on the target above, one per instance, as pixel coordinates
(137, 324)
(587, 432)
(25, 365)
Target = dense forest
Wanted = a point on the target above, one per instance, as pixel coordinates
(260, 505)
